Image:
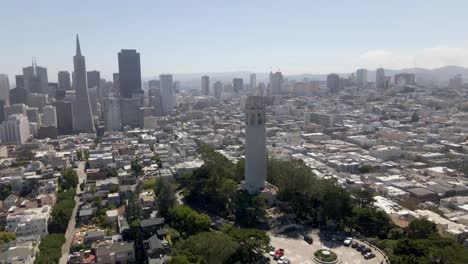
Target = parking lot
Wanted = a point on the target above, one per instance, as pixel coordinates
(299, 251)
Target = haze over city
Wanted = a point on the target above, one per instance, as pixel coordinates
(223, 36)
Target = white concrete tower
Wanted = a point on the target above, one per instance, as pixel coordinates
(255, 145)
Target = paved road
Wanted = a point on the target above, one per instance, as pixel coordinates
(180, 197)
(69, 234)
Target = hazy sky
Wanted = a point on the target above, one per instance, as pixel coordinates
(217, 36)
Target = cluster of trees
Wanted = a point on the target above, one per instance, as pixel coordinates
(213, 186)
(420, 243)
(6, 237)
(187, 221)
(50, 249)
(5, 190)
(63, 209)
(165, 192)
(231, 245)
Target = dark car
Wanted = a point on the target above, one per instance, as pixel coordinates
(365, 250)
(308, 239)
(360, 247)
(354, 244)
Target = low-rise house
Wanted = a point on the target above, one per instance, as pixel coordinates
(149, 227)
(115, 253)
(154, 247)
(93, 236)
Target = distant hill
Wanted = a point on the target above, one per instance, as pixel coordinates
(437, 75)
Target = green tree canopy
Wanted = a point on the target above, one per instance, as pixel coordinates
(214, 248)
(187, 221)
(165, 192)
(69, 178)
(421, 228)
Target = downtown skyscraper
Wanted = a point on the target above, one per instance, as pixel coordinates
(81, 108)
(129, 73)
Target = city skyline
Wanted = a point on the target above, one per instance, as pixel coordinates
(311, 41)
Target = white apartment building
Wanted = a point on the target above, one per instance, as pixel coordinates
(15, 130)
(29, 222)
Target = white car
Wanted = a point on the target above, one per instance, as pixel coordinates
(272, 252)
(348, 241)
(283, 260)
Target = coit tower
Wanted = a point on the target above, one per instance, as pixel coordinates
(255, 145)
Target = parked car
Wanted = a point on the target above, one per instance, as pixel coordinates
(354, 244)
(360, 247)
(308, 239)
(348, 241)
(283, 260)
(365, 250)
(272, 252)
(369, 255)
(278, 254)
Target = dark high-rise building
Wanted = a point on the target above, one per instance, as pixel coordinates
(333, 83)
(64, 83)
(129, 73)
(64, 111)
(205, 85)
(2, 111)
(380, 78)
(18, 95)
(19, 81)
(237, 85)
(94, 80)
(35, 79)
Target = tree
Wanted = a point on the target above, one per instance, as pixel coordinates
(114, 189)
(364, 197)
(5, 190)
(421, 228)
(136, 168)
(149, 184)
(166, 196)
(212, 186)
(50, 249)
(187, 221)
(336, 203)
(180, 260)
(69, 178)
(207, 247)
(6, 237)
(370, 222)
(250, 209)
(253, 243)
(133, 208)
(365, 169)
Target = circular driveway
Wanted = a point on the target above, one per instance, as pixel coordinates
(299, 251)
